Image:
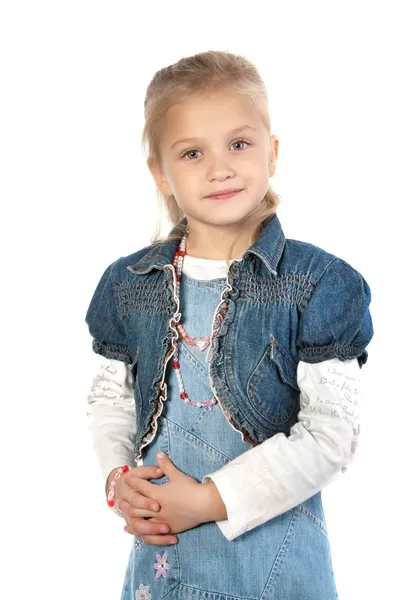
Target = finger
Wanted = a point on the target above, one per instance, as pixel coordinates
(155, 540)
(138, 501)
(128, 491)
(152, 538)
(127, 488)
(143, 487)
(144, 527)
(134, 513)
(146, 472)
(129, 511)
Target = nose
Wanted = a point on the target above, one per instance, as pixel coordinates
(220, 168)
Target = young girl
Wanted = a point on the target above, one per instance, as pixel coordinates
(235, 351)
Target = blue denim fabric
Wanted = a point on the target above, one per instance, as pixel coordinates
(286, 558)
(286, 301)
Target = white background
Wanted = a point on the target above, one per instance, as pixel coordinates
(76, 194)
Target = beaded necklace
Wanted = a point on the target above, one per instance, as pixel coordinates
(200, 342)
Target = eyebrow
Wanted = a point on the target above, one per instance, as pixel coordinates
(236, 130)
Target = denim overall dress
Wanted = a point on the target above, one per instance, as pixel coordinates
(286, 558)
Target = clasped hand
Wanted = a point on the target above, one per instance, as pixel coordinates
(179, 502)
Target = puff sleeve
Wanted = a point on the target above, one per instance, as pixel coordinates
(104, 323)
(336, 322)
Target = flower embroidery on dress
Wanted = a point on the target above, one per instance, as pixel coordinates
(139, 543)
(143, 593)
(161, 566)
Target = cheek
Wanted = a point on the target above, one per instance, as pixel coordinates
(253, 165)
(183, 177)
(255, 177)
(189, 185)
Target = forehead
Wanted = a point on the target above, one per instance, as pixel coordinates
(212, 114)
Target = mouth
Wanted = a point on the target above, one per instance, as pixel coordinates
(224, 196)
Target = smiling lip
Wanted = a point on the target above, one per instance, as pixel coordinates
(224, 194)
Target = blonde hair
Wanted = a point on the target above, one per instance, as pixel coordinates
(203, 73)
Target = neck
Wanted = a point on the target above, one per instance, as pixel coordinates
(215, 247)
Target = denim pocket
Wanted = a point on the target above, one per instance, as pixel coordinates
(272, 388)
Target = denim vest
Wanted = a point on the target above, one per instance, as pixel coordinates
(287, 557)
(285, 301)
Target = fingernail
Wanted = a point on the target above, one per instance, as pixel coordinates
(154, 507)
(164, 529)
(158, 470)
(160, 455)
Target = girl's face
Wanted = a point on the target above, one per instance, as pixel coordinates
(215, 158)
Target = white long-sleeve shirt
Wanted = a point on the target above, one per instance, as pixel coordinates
(270, 478)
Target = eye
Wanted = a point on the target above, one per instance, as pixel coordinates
(194, 149)
(241, 141)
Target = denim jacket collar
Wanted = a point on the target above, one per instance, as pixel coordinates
(268, 247)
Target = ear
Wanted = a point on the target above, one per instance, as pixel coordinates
(159, 176)
(273, 155)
